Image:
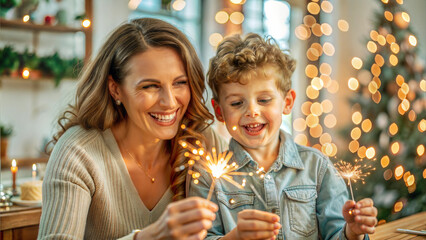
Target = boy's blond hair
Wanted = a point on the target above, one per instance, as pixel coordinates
(238, 59)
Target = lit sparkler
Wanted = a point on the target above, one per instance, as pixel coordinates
(216, 164)
(356, 172)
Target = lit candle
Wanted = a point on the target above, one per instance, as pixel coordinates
(14, 170)
(34, 173)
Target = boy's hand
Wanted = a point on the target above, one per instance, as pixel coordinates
(256, 224)
(362, 218)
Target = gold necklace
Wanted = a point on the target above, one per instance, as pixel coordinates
(140, 166)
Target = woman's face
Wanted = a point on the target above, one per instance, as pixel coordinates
(155, 93)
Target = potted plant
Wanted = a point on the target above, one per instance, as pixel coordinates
(9, 61)
(6, 5)
(5, 132)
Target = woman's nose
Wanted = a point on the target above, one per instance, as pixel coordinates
(168, 98)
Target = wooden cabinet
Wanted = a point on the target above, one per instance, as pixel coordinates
(19, 223)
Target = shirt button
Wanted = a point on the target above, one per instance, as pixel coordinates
(274, 210)
(231, 201)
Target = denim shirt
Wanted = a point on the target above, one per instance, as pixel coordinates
(302, 187)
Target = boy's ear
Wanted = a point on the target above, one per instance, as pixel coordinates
(289, 99)
(217, 111)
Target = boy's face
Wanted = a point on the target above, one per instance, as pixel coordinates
(253, 111)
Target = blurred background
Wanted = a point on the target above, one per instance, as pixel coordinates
(360, 79)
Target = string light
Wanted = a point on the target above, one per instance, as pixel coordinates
(326, 6)
(133, 4)
(178, 5)
(412, 40)
(302, 32)
(353, 83)
(221, 17)
(313, 8)
(86, 23)
(384, 161)
(215, 39)
(309, 20)
(26, 18)
(356, 62)
(236, 18)
(343, 25)
(25, 73)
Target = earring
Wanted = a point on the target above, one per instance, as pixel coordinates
(118, 102)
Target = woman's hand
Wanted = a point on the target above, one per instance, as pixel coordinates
(186, 219)
(360, 218)
(255, 224)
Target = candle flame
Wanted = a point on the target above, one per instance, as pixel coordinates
(34, 167)
(13, 163)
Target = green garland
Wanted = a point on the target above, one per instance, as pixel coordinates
(50, 66)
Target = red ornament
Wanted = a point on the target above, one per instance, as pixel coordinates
(48, 20)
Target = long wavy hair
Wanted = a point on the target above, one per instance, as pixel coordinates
(112, 60)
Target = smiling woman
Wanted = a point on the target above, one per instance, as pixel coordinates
(111, 168)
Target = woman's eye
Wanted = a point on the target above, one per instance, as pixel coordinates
(152, 86)
(182, 82)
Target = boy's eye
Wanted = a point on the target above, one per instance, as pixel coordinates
(236, 103)
(264, 100)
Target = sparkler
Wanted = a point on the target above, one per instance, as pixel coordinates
(356, 172)
(213, 163)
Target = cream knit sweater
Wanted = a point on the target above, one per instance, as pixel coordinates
(88, 192)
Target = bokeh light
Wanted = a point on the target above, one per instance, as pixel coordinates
(353, 84)
(215, 39)
(343, 25)
(313, 8)
(236, 18)
(356, 62)
(412, 40)
(221, 17)
(384, 161)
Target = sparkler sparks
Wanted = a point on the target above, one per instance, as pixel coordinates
(354, 172)
(213, 163)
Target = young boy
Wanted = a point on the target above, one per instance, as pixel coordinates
(301, 196)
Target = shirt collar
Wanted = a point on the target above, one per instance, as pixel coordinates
(288, 154)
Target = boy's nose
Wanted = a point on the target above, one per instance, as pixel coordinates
(168, 98)
(252, 111)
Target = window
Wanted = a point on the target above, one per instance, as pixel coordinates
(186, 19)
(275, 15)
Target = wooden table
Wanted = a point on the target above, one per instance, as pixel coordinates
(413, 222)
(19, 222)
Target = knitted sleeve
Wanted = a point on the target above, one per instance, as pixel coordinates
(67, 190)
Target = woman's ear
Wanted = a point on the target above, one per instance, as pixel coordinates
(289, 99)
(113, 88)
(217, 111)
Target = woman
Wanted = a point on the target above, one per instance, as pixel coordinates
(111, 170)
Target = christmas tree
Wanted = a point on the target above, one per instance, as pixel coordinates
(389, 116)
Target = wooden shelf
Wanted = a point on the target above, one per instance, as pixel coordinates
(38, 79)
(15, 24)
